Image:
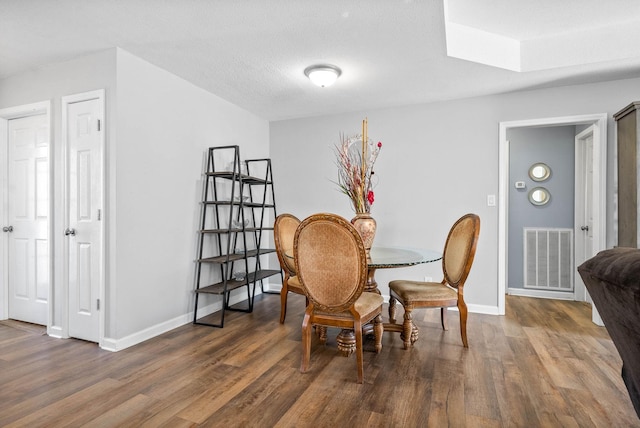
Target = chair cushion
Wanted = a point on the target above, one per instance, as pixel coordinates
(419, 292)
(366, 305)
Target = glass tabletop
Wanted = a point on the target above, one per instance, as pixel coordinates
(388, 257)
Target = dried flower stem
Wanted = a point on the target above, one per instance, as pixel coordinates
(355, 169)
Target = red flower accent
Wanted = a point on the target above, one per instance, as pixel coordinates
(379, 144)
(370, 197)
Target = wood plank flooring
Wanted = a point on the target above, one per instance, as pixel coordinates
(544, 364)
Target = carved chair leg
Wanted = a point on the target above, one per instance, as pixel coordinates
(392, 310)
(462, 307)
(306, 344)
(321, 331)
(357, 328)
(443, 318)
(407, 328)
(378, 329)
(283, 303)
(414, 333)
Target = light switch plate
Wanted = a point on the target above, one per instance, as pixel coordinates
(491, 200)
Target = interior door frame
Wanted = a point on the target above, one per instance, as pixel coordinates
(599, 186)
(6, 114)
(98, 94)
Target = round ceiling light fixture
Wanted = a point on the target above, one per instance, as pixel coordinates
(323, 74)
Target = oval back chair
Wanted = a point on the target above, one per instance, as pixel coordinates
(284, 230)
(331, 264)
(457, 258)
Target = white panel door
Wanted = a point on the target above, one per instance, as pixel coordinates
(84, 198)
(584, 222)
(28, 219)
(588, 192)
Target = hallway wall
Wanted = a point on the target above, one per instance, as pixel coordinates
(438, 161)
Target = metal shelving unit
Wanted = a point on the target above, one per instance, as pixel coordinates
(238, 199)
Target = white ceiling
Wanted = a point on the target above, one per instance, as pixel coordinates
(391, 52)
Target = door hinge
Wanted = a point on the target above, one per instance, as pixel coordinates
(99, 214)
(97, 304)
(98, 124)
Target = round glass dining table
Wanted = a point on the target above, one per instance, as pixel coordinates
(395, 257)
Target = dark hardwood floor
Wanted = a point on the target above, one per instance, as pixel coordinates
(543, 364)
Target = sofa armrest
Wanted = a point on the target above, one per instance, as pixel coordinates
(612, 278)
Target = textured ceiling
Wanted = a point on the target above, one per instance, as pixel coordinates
(253, 52)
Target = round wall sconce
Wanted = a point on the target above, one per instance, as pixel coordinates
(323, 74)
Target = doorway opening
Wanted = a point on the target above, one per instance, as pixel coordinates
(597, 203)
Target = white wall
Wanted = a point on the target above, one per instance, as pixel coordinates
(96, 71)
(438, 162)
(154, 165)
(165, 125)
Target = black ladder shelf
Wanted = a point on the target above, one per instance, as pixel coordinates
(238, 200)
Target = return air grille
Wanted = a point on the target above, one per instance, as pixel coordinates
(548, 259)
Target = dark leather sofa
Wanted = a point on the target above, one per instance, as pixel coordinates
(612, 278)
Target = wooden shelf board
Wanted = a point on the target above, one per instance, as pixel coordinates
(219, 287)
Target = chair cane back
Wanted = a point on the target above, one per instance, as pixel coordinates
(284, 230)
(457, 258)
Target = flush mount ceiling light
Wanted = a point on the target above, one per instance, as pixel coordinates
(323, 74)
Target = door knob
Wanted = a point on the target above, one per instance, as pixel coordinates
(71, 232)
(586, 228)
(7, 229)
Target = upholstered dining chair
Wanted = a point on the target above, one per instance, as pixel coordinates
(331, 263)
(457, 258)
(284, 229)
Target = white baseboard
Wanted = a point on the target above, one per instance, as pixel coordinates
(542, 294)
(115, 345)
(275, 288)
(483, 309)
(56, 331)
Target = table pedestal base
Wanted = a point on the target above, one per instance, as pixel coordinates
(346, 342)
(347, 339)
